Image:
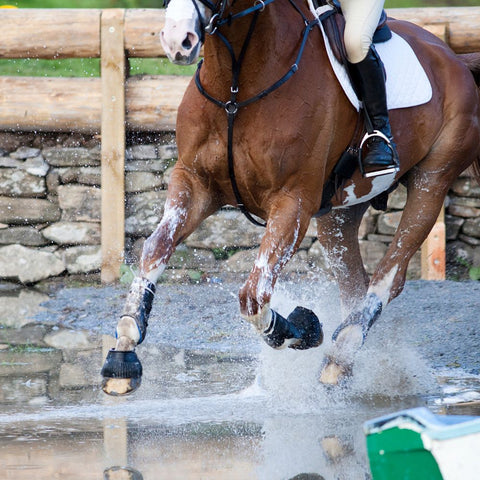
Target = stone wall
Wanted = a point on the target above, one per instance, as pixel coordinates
(50, 216)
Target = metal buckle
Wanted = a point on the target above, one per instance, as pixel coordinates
(262, 3)
(211, 28)
(231, 108)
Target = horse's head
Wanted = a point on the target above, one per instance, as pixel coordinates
(183, 34)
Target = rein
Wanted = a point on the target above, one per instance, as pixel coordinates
(232, 106)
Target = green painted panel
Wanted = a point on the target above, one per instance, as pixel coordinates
(398, 454)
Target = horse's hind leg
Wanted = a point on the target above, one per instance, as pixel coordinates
(337, 233)
(187, 204)
(426, 193)
(286, 227)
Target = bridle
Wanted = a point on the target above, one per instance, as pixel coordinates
(232, 106)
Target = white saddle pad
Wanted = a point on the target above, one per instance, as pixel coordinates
(407, 83)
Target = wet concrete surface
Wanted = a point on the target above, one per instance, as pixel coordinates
(216, 402)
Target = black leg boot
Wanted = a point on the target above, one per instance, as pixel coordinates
(378, 152)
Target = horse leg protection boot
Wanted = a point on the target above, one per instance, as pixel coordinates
(139, 304)
(301, 330)
(122, 370)
(369, 78)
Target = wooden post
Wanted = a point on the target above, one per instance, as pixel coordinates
(433, 252)
(433, 249)
(113, 66)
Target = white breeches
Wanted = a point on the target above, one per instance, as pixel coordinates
(361, 20)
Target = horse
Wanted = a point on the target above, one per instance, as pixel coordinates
(261, 126)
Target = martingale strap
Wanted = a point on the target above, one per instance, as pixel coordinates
(232, 106)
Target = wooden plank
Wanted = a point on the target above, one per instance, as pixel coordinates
(142, 32)
(152, 102)
(50, 104)
(113, 65)
(50, 33)
(462, 23)
(31, 33)
(74, 104)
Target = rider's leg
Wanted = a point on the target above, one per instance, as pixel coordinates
(367, 71)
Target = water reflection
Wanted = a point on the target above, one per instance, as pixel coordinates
(122, 473)
(235, 436)
(204, 411)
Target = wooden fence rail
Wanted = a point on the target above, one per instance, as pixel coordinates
(114, 102)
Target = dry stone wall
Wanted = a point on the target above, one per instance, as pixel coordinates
(50, 193)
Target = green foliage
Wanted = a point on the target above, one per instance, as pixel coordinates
(224, 253)
(127, 273)
(195, 276)
(430, 3)
(85, 3)
(474, 273)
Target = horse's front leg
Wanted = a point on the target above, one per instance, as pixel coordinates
(285, 230)
(418, 217)
(187, 204)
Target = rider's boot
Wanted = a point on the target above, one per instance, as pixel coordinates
(377, 149)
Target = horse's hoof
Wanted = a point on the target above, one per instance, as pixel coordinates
(121, 372)
(306, 322)
(334, 373)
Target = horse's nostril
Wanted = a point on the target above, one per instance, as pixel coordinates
(187, 44)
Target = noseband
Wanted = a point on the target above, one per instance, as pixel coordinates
(232, 106)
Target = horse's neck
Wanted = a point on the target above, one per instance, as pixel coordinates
(270, 49)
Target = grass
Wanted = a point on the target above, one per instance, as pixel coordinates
(87, 67)
(84, 3)
(431, 3)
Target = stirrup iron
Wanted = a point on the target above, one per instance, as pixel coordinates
(393, 168)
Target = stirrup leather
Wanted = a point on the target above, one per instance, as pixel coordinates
(393, 168)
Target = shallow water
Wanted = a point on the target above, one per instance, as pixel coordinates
(252, 433)
(212, 406)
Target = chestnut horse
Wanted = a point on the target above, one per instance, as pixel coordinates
(266, 73)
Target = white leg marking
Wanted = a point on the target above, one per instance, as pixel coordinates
(154, 274)
(261, 321)
(383, 289)
(127, 327)
(173, 217)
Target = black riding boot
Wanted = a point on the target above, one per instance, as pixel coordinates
(378, 152)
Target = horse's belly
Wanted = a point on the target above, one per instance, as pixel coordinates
(365, 190)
